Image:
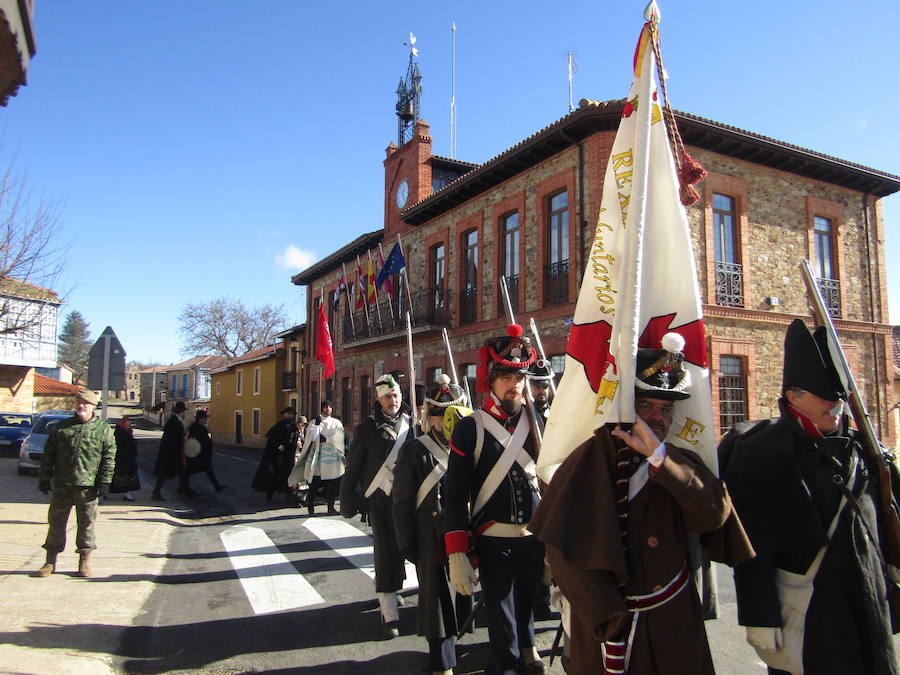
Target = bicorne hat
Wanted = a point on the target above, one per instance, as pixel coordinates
(660, 373)
(808, 364)
(441, 395)
(510, 353)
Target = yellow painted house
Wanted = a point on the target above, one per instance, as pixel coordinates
(246, 397)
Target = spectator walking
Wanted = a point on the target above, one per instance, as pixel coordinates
(78, 462)
(278, 456)
(125, 479)
(170, 461)
(198, 435)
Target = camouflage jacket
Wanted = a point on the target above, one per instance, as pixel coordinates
(79, 453)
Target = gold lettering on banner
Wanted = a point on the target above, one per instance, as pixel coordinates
(601, 264)
(690, 431)
(622, 165)
(606, 392)
(655, 114)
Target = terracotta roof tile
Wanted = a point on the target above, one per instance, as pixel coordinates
(47, 386)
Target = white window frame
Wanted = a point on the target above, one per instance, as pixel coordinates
(255, 422)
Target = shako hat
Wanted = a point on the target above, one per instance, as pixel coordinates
(808, 364)
(511, 353)
(540, 373)
(442, 395)
(660, 373)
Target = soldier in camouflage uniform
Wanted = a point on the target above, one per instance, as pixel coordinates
(79, 456)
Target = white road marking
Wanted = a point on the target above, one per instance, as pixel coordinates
(363, 557)
(271, 582)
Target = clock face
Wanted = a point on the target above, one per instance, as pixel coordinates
(402, 194)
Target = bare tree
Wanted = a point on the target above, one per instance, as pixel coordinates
(31, 254)
(228, 327)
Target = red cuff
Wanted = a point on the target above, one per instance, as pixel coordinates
(653, 469)
(456, 450)
(456, 541)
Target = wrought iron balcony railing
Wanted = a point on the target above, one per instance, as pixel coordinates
(729, 284)
(429, 308)
(831, 294)
(556, 283)
(289, 380)
(512, 287)
(468, 305)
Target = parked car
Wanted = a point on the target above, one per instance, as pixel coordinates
(13, 428)
(33, 446)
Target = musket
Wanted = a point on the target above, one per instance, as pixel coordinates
(529, 399)
(453, 375)
(888, 520)
(540, 346)
(413, 413)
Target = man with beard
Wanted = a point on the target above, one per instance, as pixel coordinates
(492, 467)
(367, 486)
(815, 598)
(539, 377)
(171, 461)
(615, 520)
(278, 457)
(418, 514)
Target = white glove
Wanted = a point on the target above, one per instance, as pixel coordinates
(767, 638)
(462, 576)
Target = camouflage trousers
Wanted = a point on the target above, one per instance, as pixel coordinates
(62, 499)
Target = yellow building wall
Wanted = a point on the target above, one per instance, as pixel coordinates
(226, 402)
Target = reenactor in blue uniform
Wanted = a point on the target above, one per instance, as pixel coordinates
(491, 467)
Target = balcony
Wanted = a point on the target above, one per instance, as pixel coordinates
(512, 287)
(556, 283)
(831, 296)
(430, 309)
(468, 306)
(289, 380)
(729, 284)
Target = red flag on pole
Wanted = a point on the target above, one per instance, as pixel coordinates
(361, 290)
(324, 349)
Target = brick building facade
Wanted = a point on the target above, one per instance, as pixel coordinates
(529, 214)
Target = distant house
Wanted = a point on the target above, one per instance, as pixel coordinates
(61, 372)
(247, 397)
(189, 380)
(28, 323)
(153, 386)
(50, 394)
(293, 341)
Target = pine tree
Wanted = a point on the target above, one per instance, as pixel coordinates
(74, 345)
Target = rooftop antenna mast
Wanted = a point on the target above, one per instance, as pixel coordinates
(573, 68)
(409, 96)
(453, 90)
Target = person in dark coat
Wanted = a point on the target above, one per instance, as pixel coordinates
(616, 519)
(125, 479)
(815, 598)
(278, 457)
(199, 431)
(490, 495)
(170, 460)
(418, 514)
(367, 486)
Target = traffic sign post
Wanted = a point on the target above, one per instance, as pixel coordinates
(106, 366)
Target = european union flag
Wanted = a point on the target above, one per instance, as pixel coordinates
(392, 265)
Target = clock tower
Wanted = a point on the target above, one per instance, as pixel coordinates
(407, 167)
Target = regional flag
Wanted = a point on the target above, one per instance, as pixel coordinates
(394, 263)
(360, 288)
(324, 348)
(340, 288)
(640, 283)
(370, 283)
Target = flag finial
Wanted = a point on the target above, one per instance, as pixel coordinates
(651, 13)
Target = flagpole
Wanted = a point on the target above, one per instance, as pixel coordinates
(370, 280)
(365, 304)
(349, 299)
(390, 302)
(321, 365)
(414, 410)
(405, 272)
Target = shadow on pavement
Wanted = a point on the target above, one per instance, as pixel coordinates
(297, 547)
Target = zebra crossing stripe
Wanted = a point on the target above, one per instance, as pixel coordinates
(363, 557)
(270, 581)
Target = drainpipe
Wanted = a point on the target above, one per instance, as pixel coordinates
(871, 265)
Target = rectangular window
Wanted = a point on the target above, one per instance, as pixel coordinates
(556, 268)
(346, 399)
(558, 365)
(257, 375)
(822, 234)
(509, 264)
(184, 385)
(255, 422)
(240, 382)
(365, 396)
(729, 271)
(436, 275)
(329, 391)
(469, 373)
(314, 398)
(469, 292)
(218, 388)
(732, 392)
(431, 375)
(174, 386)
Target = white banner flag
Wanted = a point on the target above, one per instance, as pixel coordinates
(640, 283)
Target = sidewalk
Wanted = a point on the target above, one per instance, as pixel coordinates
(64, 624)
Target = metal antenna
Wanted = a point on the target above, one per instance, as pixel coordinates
(573, 68)
(453, 90)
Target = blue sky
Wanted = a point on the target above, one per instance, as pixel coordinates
(209, 148)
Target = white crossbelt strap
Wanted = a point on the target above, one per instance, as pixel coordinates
(440, 468)
(384, 479)
(513, 451)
